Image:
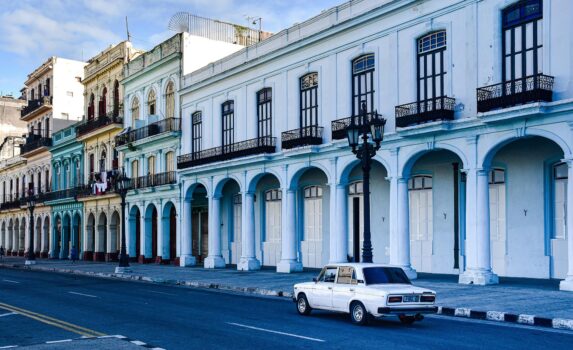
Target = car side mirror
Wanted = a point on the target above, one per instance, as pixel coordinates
(314, 279)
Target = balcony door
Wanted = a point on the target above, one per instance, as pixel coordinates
(430, 67)
(196, 132)
(522, 43)
(264, 113)
(311, 246)
(228, 137)
(363, 83)
(308, 103)
(421, 222)
(497, 220)
(237, 221)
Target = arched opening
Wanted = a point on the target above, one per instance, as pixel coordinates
(231, 211)
(169, 222)
(134, 250)
(528, 197)
(76, 234)
(134, 112)
(114, 237)
(150, 239)
(151, 102)
(436, 190)
(101, 238)
(199, 223)
(15, 232)
(66, 237)
(38, 237)
(91, 107)
(57, 234)
(170, 100)
(90, 238)
(46, 238)
(103, 103)
(22, 237)
(353, 210)
(116, 99)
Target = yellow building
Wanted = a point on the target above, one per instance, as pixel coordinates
(103, 121)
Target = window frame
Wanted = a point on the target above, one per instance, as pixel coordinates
(433, 51)
(265, 112)
(357, 82)
(227, 125)
(308, 100)
(196, 132)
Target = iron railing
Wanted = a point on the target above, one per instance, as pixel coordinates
(165, 125)
(339, 126)
(34, 142)
(93, 124)
(10, 202)
(35, 104)
(308, 135)
(160, 179)
(265, 144)
(62, 194)
(533, 88)
(437, 108)
(100, 183)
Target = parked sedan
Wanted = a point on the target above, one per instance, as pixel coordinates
(364, 291)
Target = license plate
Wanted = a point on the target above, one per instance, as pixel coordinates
(411, 298)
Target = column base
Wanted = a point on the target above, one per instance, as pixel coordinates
(288, 266)
(248, 264)
(480, 278)
(30, 262)
(187, 260)
(214, 262)
(121, 269)
(566, 284)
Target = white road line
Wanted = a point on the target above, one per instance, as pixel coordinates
(8, 314)
(154, 291)
(58, 341)
(8, 347)
(137, 342)
(85, 295)
(10, 281)
(276, 332)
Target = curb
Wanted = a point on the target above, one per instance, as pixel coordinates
(498, 316)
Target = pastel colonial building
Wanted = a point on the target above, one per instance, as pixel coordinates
(474, 172)
(104, 110)
(150, 142)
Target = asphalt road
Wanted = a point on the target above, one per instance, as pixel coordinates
(36, 307)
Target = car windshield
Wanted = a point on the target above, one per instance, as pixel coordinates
(384, 275)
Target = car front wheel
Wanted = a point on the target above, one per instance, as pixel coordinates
(358, 313)
(302, 305)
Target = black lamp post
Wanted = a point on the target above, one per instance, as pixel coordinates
(371, 130)
(31, 199)
(123, 184)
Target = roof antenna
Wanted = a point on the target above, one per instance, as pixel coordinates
(127, 29)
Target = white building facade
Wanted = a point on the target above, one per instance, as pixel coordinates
(474, 170)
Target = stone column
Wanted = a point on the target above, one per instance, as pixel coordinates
(289, 261)
(214, 259)
(339, 235)
(477, 230)
(248, 259)
(186, 257)
(567, 284)
(142, 236)
(403, 228)
(160, 240)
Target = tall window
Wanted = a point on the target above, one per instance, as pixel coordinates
(421, 213)
(91, 108)
(430, 66)
(264, 104)
(135, 169)
(522, 42)
(170, 101)
(103, 102)
(151, 102)
(32, 95)
(134, 111)
(497, 221)
(78, 173)
(47, 88)
(92, 165)
(116, 98)
(363, 83)
(102, 160)
(170, 161)
(196, 132)
(228, 112)
(309, 100)
(151, 165)
(560, 201)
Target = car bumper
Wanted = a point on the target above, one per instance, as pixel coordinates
(387, 310)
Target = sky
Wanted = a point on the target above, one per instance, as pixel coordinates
(31, 31)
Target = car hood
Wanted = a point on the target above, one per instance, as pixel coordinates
(398, 288)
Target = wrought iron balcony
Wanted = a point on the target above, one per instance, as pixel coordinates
(10, 202)
(308, 135)
(339, 126)
(533, 88)
(265, 144)
(62, 194)
(35, 104)
(160, 179)
(100, 183)
(165, 125)
(34, 142)
(94, 124)
(437, 108)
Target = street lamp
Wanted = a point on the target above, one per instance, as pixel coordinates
(31, 199)
(372, 132)
(123, 184)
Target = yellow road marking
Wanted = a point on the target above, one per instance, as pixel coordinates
(53, 321)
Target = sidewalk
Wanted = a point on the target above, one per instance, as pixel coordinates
(518, 299)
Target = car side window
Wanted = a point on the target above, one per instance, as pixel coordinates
(346, 275)
(329, 275)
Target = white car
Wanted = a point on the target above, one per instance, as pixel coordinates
(365, 290)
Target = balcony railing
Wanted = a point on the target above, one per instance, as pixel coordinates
(437, 108)
(533, 88)
(35, 104)
(100, 183)
(308, 135)
(166, 178)
(34, 142)
(62, 194)
(265, 144)
(10, 202)
(97, 123)
(339, 126)
(165, 125)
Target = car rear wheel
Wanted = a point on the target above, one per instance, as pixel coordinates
(358, 313)
(407, 319)
(302, 305)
